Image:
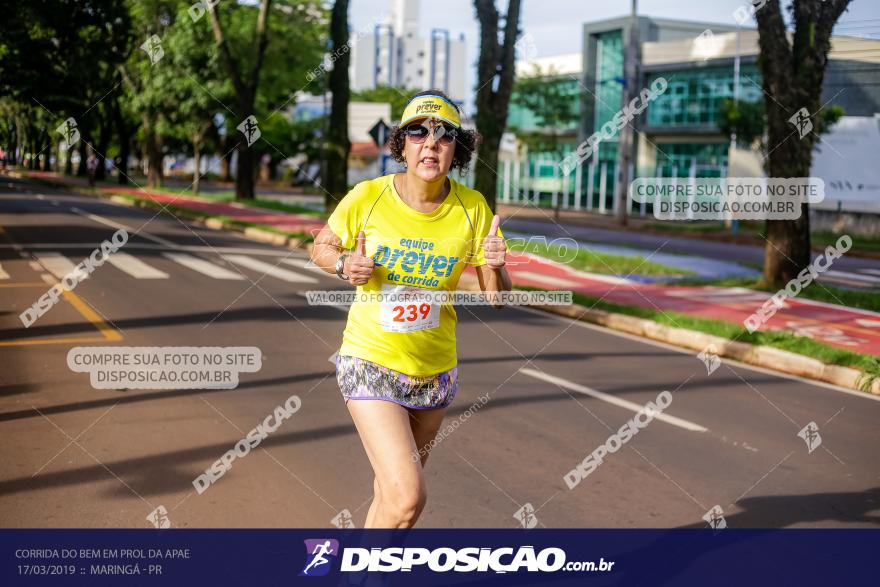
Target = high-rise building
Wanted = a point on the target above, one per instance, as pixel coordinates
(393, 53)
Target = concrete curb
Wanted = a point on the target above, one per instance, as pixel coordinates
(761, 356)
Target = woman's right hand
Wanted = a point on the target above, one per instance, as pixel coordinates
(358, 266)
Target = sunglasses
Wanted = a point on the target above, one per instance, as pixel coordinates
(443, 134)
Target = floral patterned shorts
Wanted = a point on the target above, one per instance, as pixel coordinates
(361, 379)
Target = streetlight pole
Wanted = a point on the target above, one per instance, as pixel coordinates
(625, 147)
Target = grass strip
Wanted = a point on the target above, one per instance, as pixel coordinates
(595, 261)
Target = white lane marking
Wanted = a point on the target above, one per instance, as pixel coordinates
(868, 323)
(621, 403)
(303, 264)
(128, 229)
(56, 263)
(852, 276)
(3, 274)
(548, 279)
(690, 353)
(135, 267)
(270, 269)
(871, 271)
(203, 267)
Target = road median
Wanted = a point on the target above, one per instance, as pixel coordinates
(764, 356)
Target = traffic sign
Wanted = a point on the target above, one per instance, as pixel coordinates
(380, 132)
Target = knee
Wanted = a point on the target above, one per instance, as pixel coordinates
(405, 504)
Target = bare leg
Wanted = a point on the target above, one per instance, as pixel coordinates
(424, 424)
(371, 513)
(384, 428)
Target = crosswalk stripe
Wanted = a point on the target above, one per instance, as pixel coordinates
(3, 274)
(303, 264)
(203, 267)
(55, 263)
(135, 267)
(270, 269)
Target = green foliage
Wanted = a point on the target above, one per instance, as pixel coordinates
(744, 119)
(544, 94)
(397, 97)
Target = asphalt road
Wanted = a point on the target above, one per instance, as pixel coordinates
(74, 456)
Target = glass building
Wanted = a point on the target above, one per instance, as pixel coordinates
(678, 135)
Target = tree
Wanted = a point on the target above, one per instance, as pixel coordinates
(495, 70)
(397, 97)
(245, 83)
(746, 122)
(553, 107)
(61, 59)
(195, 83)
(145, 82)
(338, 144)
(793, 70)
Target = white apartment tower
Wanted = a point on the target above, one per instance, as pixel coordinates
(393, 53)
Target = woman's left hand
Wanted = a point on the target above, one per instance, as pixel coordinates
(494, 248)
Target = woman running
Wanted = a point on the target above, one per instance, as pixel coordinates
(412, 231)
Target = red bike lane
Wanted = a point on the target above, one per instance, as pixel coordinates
(849, 328)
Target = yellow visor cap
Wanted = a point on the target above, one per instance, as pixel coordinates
(430, 107)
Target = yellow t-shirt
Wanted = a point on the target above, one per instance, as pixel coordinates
(410, 249)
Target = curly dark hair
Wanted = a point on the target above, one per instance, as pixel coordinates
(466, 142)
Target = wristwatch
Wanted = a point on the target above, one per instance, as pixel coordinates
(340, 267)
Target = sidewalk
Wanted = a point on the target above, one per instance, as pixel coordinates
(836, 325)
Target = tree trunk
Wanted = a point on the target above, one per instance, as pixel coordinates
(103, 144)
(12, 156)
(153, 147)
(495, 71)
(124, 142)
(197, 162)
(486, 179)
(245, 90)
(82, 169)
(226, 161)
(47, 154)
(338, 143)
(244, 173)
(68, 160)
(793, 73)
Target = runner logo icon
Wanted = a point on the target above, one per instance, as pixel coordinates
(320, 554)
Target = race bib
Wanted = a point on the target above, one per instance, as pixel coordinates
(408, 309)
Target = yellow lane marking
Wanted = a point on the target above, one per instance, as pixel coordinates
(24, 284)
(25, 342)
